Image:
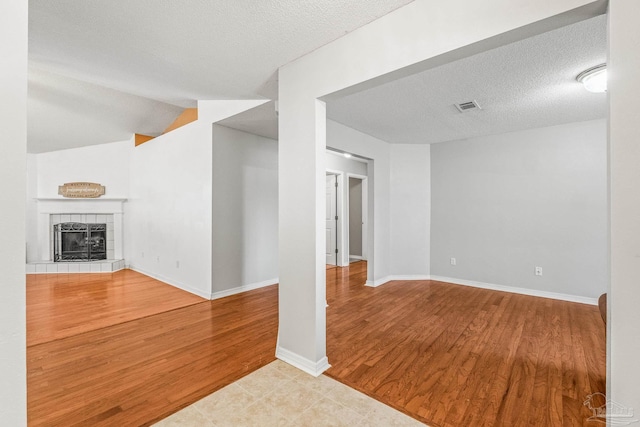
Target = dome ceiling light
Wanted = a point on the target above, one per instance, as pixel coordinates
(594, 79)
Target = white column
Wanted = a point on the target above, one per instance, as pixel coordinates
(301, 177)
(624, 163)
(13, 194)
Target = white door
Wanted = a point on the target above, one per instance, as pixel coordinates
(331, 220)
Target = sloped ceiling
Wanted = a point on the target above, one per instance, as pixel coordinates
(68, 113)
(154, 57)
(103, 70)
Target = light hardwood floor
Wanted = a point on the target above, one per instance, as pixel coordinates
(63, 305)
(445, 354)
(137, 372)
(452, 355)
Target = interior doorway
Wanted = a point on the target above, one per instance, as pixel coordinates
(331, 219)
(343, 166)
(357, 217)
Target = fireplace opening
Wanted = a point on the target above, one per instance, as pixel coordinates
(76, 241)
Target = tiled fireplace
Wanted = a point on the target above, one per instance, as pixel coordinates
(57, 214)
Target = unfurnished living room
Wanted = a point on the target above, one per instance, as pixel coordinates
(382, 213)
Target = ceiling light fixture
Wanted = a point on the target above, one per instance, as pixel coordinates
(594, 79)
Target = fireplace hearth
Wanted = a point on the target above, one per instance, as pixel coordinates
(44, 258)
(77, 242)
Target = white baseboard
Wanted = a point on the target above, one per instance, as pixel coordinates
(244, 288)
(491, 286)
(302, 363)
(377, 282)
(515, 290)
(410, 277)
(382, 281)
(356, 257)
(173, 283)
(209, 296)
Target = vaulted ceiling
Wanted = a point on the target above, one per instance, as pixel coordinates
(102, 70)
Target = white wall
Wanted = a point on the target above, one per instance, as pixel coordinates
(398, 199)
(504, 204)
(33, 252)
(106, 164)
(245, 211)
(410, 211)
(624, 133)
(168, 215)
(350, 140)
(338, 162)
(168, 220)
(404, 201)
(13, 121)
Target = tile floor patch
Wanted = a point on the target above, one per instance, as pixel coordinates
(292, 398)
(224, 403)
(328, 413)
(189, 416)
(262, 381)
(280, 395)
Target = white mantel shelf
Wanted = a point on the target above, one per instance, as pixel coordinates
(79, 199)
(76, 199)
(54, 205)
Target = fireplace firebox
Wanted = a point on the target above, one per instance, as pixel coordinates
(76, 241)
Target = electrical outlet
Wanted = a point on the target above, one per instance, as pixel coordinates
(453, 261)
(538, 271)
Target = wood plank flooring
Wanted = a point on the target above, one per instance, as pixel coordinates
(451, 355)
(62, 305)
(447, 355)
(140, 371)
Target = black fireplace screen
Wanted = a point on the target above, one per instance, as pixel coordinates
(75, 241)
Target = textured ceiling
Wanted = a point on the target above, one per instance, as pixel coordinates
(523, 85)
(102, 70)
(261, 120)
(177, 51)
(67, 113)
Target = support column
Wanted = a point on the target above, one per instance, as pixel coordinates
(13, 196)
(301, 165)
(623, 335)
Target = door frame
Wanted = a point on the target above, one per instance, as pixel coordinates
(340, 211)
(365, 214)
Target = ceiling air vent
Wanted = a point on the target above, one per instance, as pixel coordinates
(463, 107)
